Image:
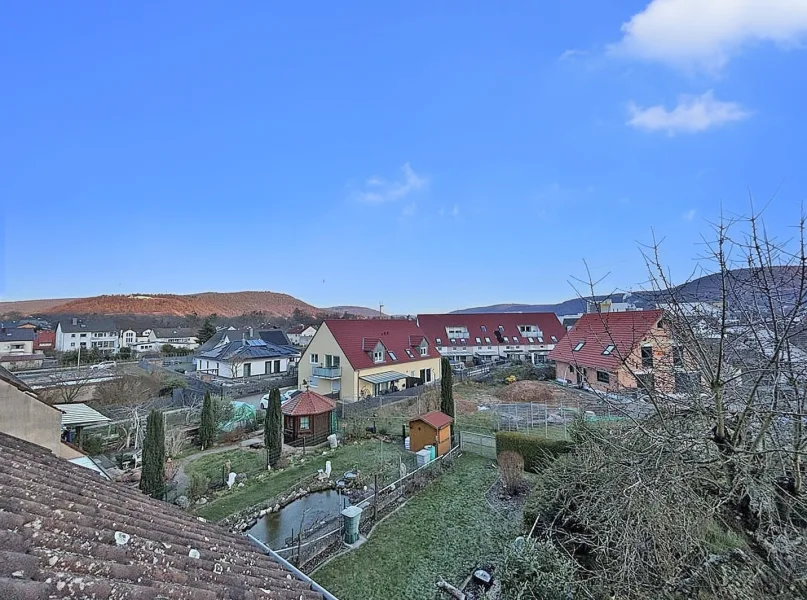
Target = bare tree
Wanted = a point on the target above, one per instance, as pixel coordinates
(128, 389)
(67, 387)
(712, 447)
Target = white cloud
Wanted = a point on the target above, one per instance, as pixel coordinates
(689, 215)
(706, 33)
(409, 210)
(378, 190)
(691, 115)
(572, 53)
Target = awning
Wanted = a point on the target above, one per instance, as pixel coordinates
(80, 414)
(383, 377)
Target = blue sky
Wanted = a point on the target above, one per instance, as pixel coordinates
(428, 157)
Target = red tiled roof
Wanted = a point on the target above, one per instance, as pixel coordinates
(308, 403)
(66, 533)
(297, 329)
(393, 333)
(435, 418)
(435, 327)
(46, 339)
(622, 329)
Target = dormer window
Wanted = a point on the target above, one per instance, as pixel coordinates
(378, 355)
(439, 341)
(424, 350)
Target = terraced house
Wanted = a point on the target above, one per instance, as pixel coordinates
(482, 337)
(86, 334)
(354, 359)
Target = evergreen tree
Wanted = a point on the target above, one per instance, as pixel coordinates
(152, 480)
(447, 388)
(207, 330)
(273, 429)
(207, 428)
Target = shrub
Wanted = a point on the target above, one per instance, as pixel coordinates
(535, 571)
(260, 416)
(92, 445)
(198, 486)
(537, 452)
(511, 467)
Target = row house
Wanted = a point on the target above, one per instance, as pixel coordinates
(354, 359)
(85, 334)
(482, 337)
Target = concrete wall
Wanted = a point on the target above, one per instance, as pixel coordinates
(25, 417)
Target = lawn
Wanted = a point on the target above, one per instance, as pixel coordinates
(445, 531)
(366, 455)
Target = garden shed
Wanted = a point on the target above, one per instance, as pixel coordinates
(433, 428)
(308, 415)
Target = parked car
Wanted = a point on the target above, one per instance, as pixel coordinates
(107, 364)
(284, 397)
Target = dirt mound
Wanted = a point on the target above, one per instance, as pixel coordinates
(526, 391)
(224, 304)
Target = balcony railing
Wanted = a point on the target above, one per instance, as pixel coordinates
(327, 372)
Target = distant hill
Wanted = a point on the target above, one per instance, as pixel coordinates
(359, 311)
(702, 289)
(224, 304)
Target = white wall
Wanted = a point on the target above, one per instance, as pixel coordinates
(258, 367)
(25, 347)
(67, 342)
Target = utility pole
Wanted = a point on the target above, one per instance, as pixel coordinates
(78, 359)
(380, 310)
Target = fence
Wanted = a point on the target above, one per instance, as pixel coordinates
(309, 553)
(477, 443)
(346, 408)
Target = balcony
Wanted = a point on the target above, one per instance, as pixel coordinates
(327, 372)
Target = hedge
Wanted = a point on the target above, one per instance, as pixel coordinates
(536, 451)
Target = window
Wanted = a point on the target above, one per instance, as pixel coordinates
(462, 341)
(378, 356)
(72, 335)
(530, 340)
(305, 423)
(647, 356)
(608, 349)
(554, 339)
(478, 341)
(603, 377)
(501, 328)
(506, 340)
(678, 356)
(579, 346)
(392, 355)
(72, 344)
(247, 370)
(515, 339)
(453, 341)
(409, 353)
(484, 329)
(424, 350)
(314, 359)
(487, 340)
(83, 335)
(439, 341)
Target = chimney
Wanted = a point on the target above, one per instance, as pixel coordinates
(75, 321)
(251, 333)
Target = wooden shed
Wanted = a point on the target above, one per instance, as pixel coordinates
(433, 428)
(308, 415)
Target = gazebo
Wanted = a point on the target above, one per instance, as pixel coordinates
(308, 416)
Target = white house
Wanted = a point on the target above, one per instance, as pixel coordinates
(301, 335)
(245, 358)
(482, 337)
(142, 341)
(179, 337)
(16, 341)
(86, 334)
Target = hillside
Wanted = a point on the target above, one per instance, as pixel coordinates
(226, 304)
(702, 289)
(359, 311)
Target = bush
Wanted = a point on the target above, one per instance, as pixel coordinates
(535, 571)
(260, 416)
(92, 445)
(537, 452)
(198, 486)
(511, 467)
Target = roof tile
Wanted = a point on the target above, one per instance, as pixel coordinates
(357, 338)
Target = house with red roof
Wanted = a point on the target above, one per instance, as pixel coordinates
(619, 351)
(481, 337)
(355, 359)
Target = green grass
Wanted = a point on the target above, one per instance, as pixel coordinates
(366, 456)
(445, 531)
(242, 461)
